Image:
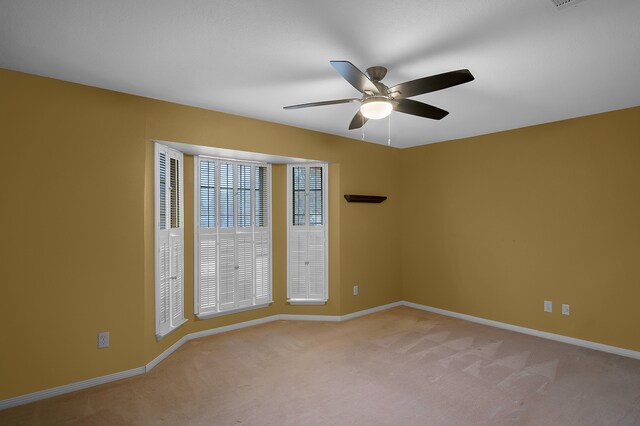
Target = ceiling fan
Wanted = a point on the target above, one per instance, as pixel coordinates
(378, 100)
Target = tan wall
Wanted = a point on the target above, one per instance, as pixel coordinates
(493, 225)
(490, 226)
(78, 214)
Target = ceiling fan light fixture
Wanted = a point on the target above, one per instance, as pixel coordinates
(376, 108)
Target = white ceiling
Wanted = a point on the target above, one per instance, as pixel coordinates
(532, 63)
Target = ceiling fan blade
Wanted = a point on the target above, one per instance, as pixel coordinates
(358, 121)
(409, 106)
(432, 83)
(314, 104)
(354, 76)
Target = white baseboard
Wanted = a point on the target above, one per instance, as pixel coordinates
(370, 311)
(530, 331)
(296, 317)
(171, 349)
(231, 327)
(72, 387)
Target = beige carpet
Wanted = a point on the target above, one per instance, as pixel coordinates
(398, 367)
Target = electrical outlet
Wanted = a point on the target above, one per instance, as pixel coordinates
(355, 290)
(548, 306)
(103, 340)
(566, 309)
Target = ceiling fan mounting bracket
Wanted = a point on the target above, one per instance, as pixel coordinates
(376, 73)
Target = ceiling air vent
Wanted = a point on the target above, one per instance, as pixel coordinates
(561, 4)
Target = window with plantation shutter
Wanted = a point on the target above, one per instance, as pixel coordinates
(307, 266)
(169, 241)
(233, 239)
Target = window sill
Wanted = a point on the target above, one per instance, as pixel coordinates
(209, 315)
(306, 302)
(174, 328)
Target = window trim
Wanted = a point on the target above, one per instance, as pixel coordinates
(196, 230)
(325, 225)
(157, 148)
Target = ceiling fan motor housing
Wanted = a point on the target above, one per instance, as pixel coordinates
(376, 73)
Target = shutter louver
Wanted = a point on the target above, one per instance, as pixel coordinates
(207, 194)
(244, 196)
(245, 268)
(162, 166)
(175, 193)
(298, 275)
(261, 200)
(262, 266)
(316, 265)
(164, 285)
(208, 273)
(226, 196)
(227, 268)
(315, 196)
(176, 278)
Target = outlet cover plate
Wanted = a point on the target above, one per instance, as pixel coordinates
(103, 340)
(548, 306)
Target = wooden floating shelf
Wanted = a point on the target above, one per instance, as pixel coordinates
(353, 198)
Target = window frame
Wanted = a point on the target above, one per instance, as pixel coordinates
(160, 331)
(291, 228)
(235, 230)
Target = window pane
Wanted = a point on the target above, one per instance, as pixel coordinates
(226, 195)
(175, 193)
(244, 196)
(207, 194)
(261, 196)
(163, 190)
(315, 196)
(299, 186)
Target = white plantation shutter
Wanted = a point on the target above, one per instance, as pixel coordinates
(233, 261)
(169, 239)
(164, 286)
(262, 267)
(298, 271)
(244, 260)
(316, 264)
(208, 292)
(227, 270)
(177, 275)
(307, 264)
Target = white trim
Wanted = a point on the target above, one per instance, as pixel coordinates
(306, 302)
(530, 331)
(231, 327)
(233, 311)
(171, 330)
(297, 317)
(369, 311)
(72, 387)
(233, 153)
(171, 349)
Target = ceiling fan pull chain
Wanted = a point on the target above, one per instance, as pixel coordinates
(389, 140)
(362, 132)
